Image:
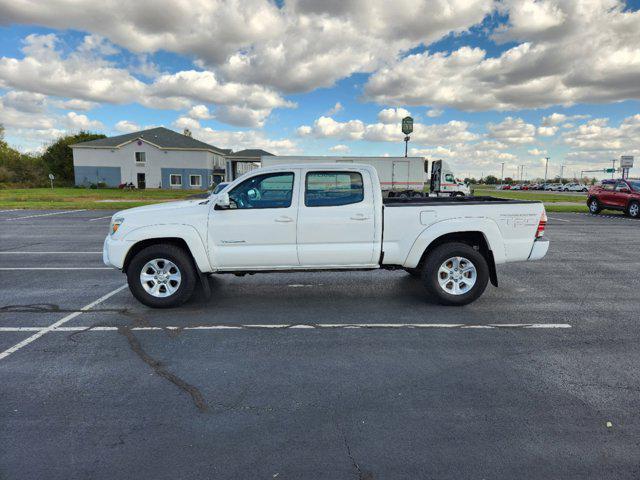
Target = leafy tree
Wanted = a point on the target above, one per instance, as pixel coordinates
(490, 180)
(58, 157)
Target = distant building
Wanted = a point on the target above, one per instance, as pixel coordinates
(244, 161)
(154, 158)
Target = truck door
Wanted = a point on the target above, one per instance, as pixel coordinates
(336, 220)
(400, 176)
(259, 230)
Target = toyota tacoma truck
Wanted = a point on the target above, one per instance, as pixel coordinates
(314, 217)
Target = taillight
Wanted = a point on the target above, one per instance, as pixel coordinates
(542, 225)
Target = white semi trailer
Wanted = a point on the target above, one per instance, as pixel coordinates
(403, 177)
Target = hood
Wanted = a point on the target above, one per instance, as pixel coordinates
(156, 207)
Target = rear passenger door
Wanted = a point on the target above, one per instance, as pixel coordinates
(336, 220)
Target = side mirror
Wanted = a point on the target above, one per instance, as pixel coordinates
(624, 190)
(222, 201)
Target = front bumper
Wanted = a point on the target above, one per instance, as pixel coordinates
(114, 252)
(539, 249)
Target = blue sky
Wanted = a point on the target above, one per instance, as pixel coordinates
(487, 82)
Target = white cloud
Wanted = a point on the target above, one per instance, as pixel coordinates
(77, 121)
(512, 131)
(445, 133)
(547, 131)
(341, 148)
(335, 109)
(434, 112)
(25, 101)
(392, 115)
(536, 152)
(75, 104)
(200, 112)
(236, 140)
(569, 52)
(125, 126)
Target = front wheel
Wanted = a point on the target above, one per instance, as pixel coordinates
(594, 206)
(634, 209)
(455, 274)
(162, 276)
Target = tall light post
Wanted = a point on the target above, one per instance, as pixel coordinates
(502, 174)
(613, 164)
(561, 173)
(546, 168)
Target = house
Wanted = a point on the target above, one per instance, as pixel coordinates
(154, 158)
(244, 161)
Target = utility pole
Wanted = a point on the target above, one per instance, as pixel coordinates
(546, 167)
(502, 174)
(613, 164)
(521, 173)
(561, 173)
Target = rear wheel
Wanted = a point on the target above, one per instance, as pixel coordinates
(633, 210)
(455, 274)
(162, 276)
(594, 206)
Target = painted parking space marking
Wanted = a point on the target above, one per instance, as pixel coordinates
(288, 326)
(44, 215)
(52, 268)
(59, 323)
(12, 252)
(99, 218)
(556, 219)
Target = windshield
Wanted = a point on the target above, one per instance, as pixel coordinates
(635, 185)
(220, 187)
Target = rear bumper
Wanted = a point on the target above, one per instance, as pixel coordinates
(114, 252)
(539, 249)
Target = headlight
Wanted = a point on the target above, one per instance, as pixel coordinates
(115, 225)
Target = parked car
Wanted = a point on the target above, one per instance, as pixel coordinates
(516, 187)
(575, 187)
(321, 217)
(620, 194)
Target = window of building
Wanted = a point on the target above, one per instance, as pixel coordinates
(272, 190)
(327, 189)
(141, 157)
(175, 180)
(195, 180)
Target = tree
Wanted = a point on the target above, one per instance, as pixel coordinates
(490, 180)
(58, 157)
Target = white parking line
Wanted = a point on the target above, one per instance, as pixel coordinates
(59, 323)
(44, 215)
(287, 326)
(99, 218)
(11, 210)
(49, 253)
(54, 268)
(555, 219)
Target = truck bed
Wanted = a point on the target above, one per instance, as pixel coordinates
(432, 201)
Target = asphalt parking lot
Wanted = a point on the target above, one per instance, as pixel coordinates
(319, 376)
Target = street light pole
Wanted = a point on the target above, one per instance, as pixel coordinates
(502, 174)
(546, 167)
(561, 173)
(613, 164)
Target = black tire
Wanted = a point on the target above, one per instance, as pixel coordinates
(594, 206)
(633, 209)
(174, 254)
(438, 256)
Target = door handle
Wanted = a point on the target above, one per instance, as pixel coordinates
(360, 217)
(284, 219)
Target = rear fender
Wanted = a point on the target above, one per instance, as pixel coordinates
(484, 225)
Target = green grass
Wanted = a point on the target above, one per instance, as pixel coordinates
(73, 198)
(531, 195)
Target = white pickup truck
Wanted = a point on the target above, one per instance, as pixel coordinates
(312, 217)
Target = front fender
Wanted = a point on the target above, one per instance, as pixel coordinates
(185, 232)
(486, 226)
